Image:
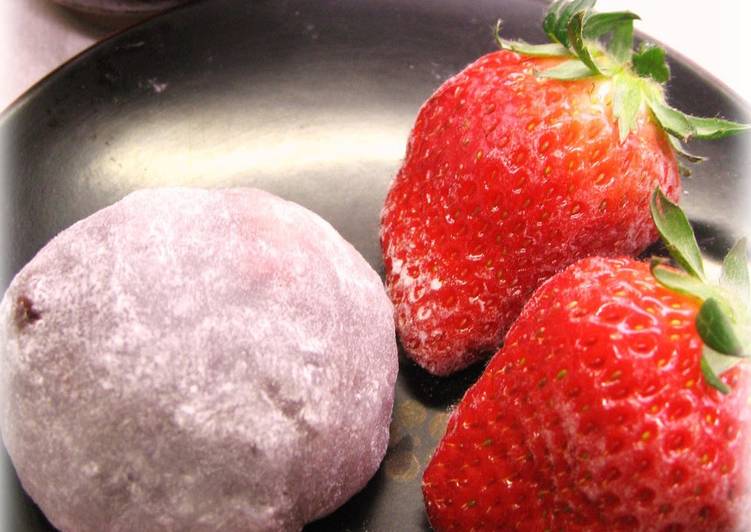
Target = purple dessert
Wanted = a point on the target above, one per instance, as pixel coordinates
(196, 360)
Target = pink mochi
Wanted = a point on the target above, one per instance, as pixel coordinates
(196, 360)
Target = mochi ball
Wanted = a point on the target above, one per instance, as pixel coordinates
(196, 360)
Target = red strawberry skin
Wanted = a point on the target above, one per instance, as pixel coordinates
(508, 178)
(595, 416)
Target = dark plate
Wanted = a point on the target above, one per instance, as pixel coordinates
(312, 100)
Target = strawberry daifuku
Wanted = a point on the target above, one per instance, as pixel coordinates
(530, 158)
(196, 360)
(615, 404)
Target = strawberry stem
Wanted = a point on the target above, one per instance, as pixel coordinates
(575, 32)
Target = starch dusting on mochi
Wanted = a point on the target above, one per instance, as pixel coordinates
(196, 360)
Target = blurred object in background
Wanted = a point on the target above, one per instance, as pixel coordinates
(120, 7)
(36, 36)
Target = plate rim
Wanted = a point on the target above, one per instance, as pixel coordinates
(15, 105)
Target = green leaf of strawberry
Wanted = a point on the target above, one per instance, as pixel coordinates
(568, 70)
(578, 44)
(712, 364)
(555, 23)
(677, 234)
(681, 282)
(680, 150)
(622, 40)
(522, 47)
(650, 62)
(538, 50)
(551, 17)
(714, 128)
(574, 30)
(725, 305)
(672, 121)
(626, 105)
(599, 24)
(716, 330)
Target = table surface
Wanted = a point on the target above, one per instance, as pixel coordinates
(38, 35)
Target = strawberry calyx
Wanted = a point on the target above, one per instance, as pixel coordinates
(724, 318)
(638, 76)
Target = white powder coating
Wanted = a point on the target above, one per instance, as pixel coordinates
(193, 360)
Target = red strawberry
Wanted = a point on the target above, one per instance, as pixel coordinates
(601, 411)
(512, 173)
